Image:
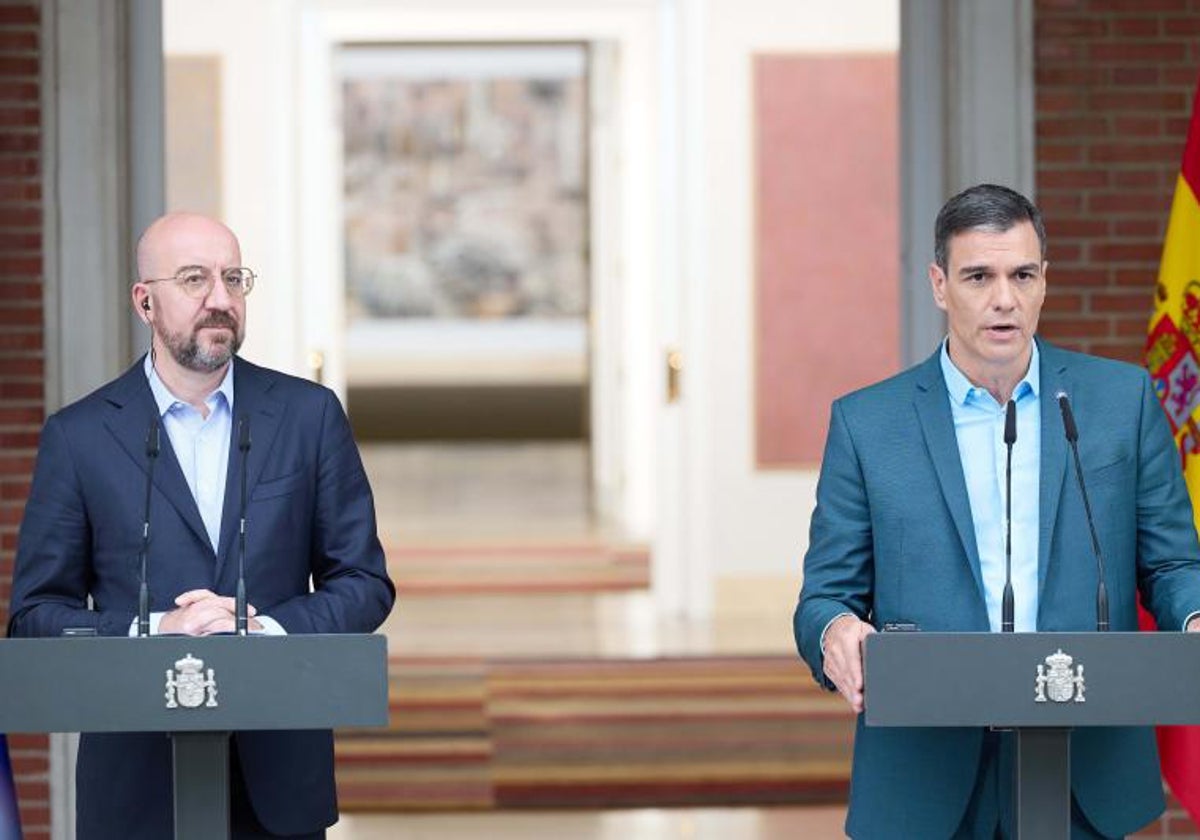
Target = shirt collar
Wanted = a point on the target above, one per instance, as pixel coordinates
(961, 389)
(164, 399)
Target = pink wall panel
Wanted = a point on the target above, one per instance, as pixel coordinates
(827, 242)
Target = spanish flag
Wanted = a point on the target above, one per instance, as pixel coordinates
(1173, 359)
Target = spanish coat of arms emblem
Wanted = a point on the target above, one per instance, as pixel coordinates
(1057, 682)
(1173, 359)
(188, 684)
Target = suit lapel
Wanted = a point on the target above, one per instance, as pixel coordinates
(129, 411)
(937, 427)
(1054, 453)
(252, 404)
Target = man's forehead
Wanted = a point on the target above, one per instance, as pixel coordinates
(1018, 243)
(194, 246)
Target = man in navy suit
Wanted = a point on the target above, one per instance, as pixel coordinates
(314, 563)
(909, 530)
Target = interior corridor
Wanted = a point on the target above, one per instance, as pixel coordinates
(537, 692)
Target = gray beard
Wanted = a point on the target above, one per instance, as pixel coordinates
(188, 353)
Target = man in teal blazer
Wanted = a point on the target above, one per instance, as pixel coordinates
(908, 530)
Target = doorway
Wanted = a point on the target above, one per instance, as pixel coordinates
(466, 230)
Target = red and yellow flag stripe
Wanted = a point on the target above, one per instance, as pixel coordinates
(1172, 354)
(1173, 345)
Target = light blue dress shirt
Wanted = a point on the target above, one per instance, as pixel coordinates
(201, 445)
(979, 428)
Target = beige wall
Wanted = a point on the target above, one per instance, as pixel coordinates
(759, 519)
(253, 45)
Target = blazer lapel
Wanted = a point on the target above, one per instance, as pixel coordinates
(254, 406)
(937, 427)
(1054, 453)
(131, 407)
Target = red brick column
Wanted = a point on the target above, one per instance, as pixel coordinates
(1114, 80)
(22, 385)
(1114, 83)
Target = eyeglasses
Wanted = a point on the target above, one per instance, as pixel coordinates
(197, 281)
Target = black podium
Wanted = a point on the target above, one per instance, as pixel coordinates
(1042, 685)
(197, 690)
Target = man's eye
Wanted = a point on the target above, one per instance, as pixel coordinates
(192, 279)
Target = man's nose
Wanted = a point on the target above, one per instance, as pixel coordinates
(219, 296)
(1005, 295)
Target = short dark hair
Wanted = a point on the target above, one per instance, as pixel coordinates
(986, 206)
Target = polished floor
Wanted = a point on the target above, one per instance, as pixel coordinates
(538, 492)
(481, 492)
(648, 824)
(603, 624)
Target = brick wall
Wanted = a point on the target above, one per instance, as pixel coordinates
(1114, 85)
(1114, 82)
(21, 337)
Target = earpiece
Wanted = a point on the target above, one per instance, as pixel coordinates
(146, 304)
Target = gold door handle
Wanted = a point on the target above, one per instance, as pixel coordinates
(316, 364)
(674, 374)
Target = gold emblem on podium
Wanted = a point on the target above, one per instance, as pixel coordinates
(1057, 682)
(189, 686)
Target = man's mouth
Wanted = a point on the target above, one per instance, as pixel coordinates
(217, 324)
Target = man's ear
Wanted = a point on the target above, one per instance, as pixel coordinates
(141, 303)
(937, 282)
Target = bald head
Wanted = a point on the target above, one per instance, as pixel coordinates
(193, 314)
(179, 239)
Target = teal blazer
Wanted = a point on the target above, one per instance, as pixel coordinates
(892, 541)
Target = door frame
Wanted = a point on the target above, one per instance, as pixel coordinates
(626, 206)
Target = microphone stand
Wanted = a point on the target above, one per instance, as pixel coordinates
(241, 619)
(1072, 433)
(143, 624)
(1010, 437)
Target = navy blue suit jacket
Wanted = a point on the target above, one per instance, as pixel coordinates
(310, 515)
(892, 539)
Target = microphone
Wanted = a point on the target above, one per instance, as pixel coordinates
(1072, 433)
(240, 617)
(143, 625)
(1010, 437)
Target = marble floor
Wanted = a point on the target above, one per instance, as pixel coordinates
(538, 491)
(814, 823)
(592, 624)
(480, 490)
